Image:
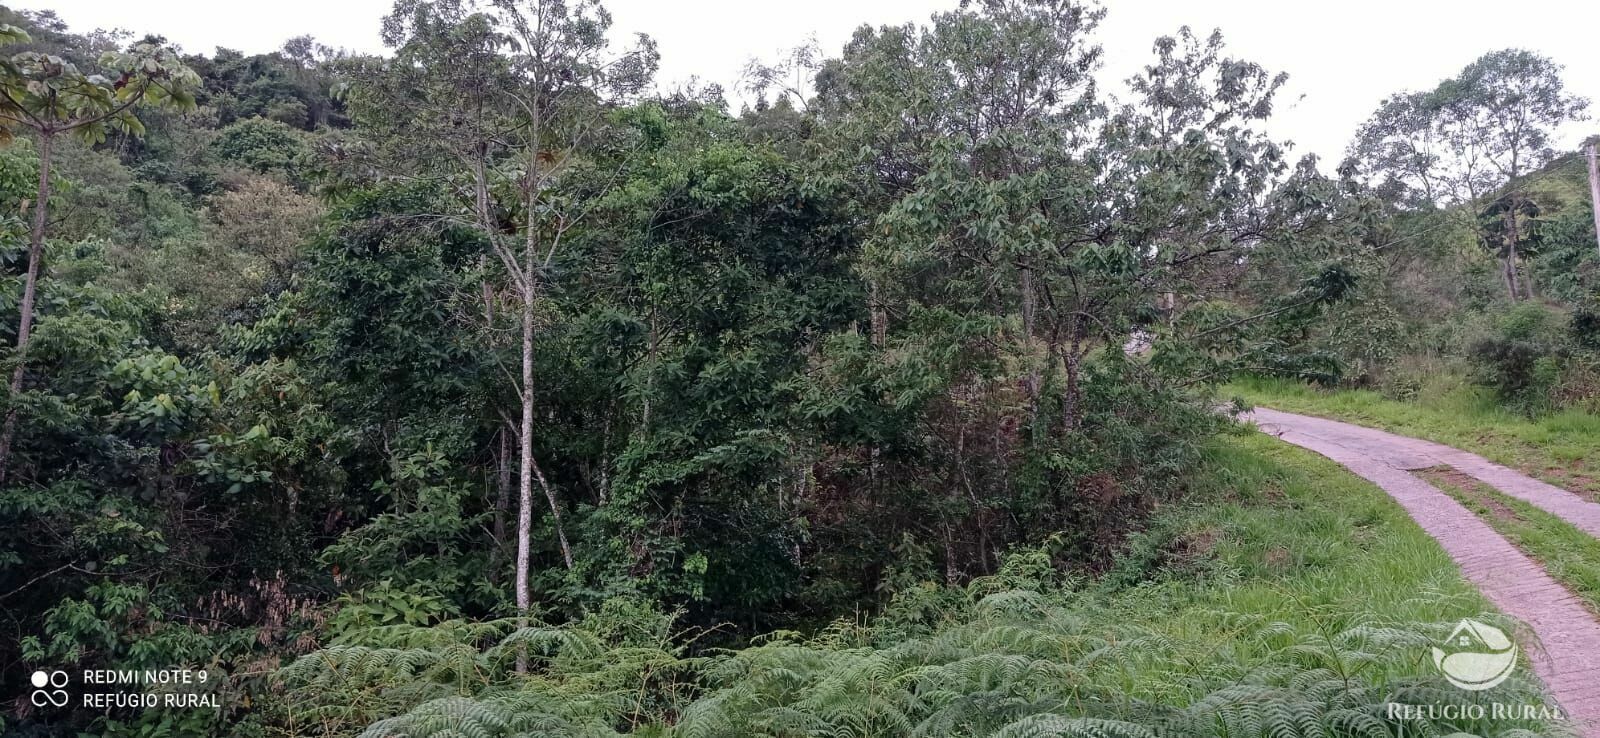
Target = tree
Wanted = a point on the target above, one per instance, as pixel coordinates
(1400, 144)
(48, 96)
(515, 92)
(266, 221)
(1476, 135)
(1017, 230)
(261, 145)
(1506, 105)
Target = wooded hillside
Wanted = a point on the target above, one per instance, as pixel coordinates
(487, 356)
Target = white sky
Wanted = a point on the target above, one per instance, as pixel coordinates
(1343, 57)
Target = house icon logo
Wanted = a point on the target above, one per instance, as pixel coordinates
(1476, 656)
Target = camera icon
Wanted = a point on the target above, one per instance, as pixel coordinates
(48, 690)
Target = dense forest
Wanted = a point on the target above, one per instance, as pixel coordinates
(488, 388)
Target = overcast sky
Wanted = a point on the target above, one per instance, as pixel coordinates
(1342, 57)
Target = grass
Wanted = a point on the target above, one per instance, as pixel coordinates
(1561, 449)
(1570, 555)
(1287, 535)
(1282, 534)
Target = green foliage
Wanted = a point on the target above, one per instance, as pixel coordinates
(1305, 616)
(1568, 267)
(49, 94)
(1519, 358)
(383, 605)
(621, 661)
(261, 145)
(1466, 166)
(1005, 663)
(294, 86)
(926, 345)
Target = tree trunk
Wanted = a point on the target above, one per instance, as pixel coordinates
(879, 338)
(525, 468)
(30, 288)
(555, 512)
(1069, 400)
(951, 572)
(1525, 281)
(880, 319)
(650, 376)
(1034, 380)
(502, 500)
(1506, 276)
(605, 462)
(1511, 274)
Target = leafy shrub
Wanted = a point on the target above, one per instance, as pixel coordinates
(1366, 338)
(1568, 267)
(1585, 327)
(260, 145)
(1520, 358)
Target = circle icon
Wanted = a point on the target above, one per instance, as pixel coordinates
(43, 697)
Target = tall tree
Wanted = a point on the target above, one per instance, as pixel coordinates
(1507, 105)
(1018, 223)
(47, 96)
(512, 95)
(1477, 135)
(1400, 147)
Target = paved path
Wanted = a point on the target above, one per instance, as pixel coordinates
(1567, 657)
(1401, 452)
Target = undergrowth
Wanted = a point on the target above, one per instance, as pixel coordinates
(1285, 599)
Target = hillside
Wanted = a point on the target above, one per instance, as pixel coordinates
(486, 388)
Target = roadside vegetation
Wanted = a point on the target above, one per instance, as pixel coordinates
(1284, 598)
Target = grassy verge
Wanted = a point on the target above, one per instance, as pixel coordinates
(1562, 449)
(1569, 554)
(1283, 535)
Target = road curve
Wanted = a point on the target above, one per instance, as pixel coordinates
(1567, 655)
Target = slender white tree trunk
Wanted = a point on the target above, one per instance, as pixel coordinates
(525, 469)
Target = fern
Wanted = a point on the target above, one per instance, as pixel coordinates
(1003, 663)
(1058, 726)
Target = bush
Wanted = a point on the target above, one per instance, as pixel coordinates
(261, 145)
(1521, 358)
